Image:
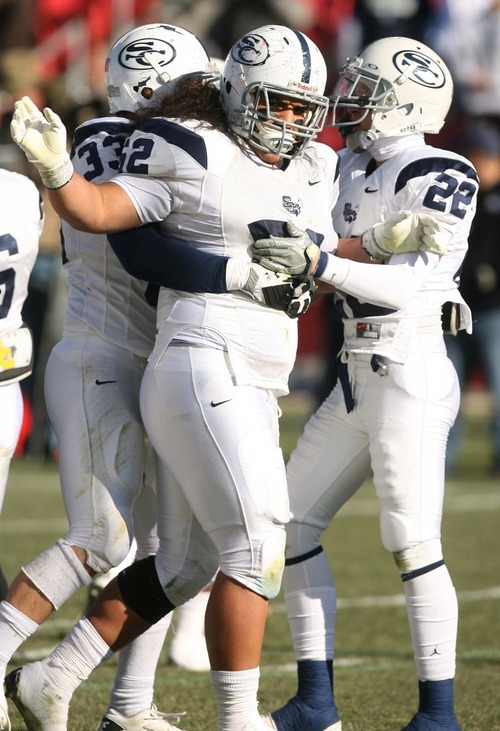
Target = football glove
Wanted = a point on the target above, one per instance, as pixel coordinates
(405, 231)
(296, 255)
(42, 137)
(273, 289)
(303, 295)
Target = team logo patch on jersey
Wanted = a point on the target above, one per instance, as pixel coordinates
(350, 213)
(251, 50)
(419, 68)
(368, 330)
(291, 206)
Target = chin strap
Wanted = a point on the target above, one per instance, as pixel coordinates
(382, 148)
(361, 140)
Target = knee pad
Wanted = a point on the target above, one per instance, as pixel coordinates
(301, 539)
(57, 573)
(258, 564)
(400, 531)
(146, 547)
(107, 549)
(142, 591)
(419, 559)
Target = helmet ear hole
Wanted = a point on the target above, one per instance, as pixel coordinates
(405, 110)
(147, 93)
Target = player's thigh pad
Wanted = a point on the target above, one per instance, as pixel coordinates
(187, 558)
(221, 443)
(409, 414)
(330, 462)
(92, 396)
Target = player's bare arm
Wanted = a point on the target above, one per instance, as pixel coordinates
(87, 207)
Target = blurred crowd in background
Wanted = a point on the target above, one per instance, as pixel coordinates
(54, 51)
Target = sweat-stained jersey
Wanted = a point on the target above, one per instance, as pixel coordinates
(218, 195)
(383, 311)
(102, 298)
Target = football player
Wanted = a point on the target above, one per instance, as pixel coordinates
(398, 394)
(21, 224)
(219, 175)
(92, 381)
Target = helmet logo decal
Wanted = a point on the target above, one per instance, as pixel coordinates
(132, 56)
(251, 50)
(420, 68)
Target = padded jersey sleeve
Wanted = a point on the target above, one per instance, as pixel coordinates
(163, 168)
(168, 262)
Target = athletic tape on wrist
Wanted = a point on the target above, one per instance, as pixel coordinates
(58, 177)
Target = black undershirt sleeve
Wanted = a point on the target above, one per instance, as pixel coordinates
(168, 262)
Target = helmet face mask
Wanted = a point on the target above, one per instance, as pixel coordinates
(400, 82)
(269, 70)
(270, 133)
(147, 57)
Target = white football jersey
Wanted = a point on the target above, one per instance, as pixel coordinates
(221, 197)
(21, 224)
(420, 179)
(102, 297)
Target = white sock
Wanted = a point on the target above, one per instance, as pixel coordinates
(75, 657)
(190, 617)
(134, 680)
(311, 616)
(15, 628)
(431, 604)
(311, 611)
(235, 698)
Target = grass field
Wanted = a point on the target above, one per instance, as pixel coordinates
(375, 683)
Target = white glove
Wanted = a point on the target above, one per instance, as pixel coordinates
(303, 295)
(296, 255)
(42, 137)
(405, 231)
(269, 288)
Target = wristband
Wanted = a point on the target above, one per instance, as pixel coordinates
(59, 176)
(321, 265)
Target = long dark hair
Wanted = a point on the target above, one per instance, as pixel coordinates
(189, 97)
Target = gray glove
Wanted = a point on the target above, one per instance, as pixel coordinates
(296, 255)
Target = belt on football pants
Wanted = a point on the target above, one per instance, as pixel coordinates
(378, 365)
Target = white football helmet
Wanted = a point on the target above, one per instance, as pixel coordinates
(147, 57)
(271, 63)
(402, 83)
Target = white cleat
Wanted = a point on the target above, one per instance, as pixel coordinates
(259, 724)
(269, 723)
(150, 720)
(4, 712)
(41, 705)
